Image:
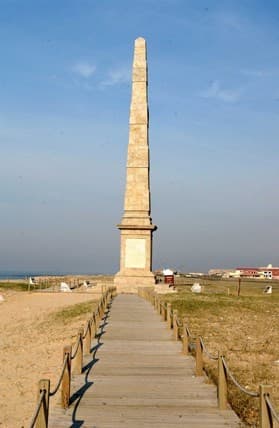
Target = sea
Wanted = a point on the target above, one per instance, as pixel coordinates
(26, 274)
(21, 275)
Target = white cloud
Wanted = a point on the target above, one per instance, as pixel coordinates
(215, 91)
(117, 77)
(84, 69)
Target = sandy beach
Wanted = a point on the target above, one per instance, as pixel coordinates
(31, 348)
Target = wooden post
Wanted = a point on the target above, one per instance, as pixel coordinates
(99, 313)
(66, 379)
(100, 309)
(155, 302)
(159, 305)
(42, 419)
(98, 316)
(265, 417)
(94, 329)
(222, 385)
(164, 312)
(238, 287)
(185, 340)
(78, 360)
(169, 321)
(175, 326)
(87, 339)
(199, 359)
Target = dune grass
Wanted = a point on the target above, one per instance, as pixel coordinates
(16, 286)
(244, 329)
(74, 311)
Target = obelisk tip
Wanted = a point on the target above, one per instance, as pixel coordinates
(140, 42)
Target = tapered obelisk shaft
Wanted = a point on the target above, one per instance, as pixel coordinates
(137, 197)
(136, 225)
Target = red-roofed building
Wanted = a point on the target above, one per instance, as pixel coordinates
(268, 272)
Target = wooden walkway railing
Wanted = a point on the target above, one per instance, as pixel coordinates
(72, 364)
(269, 417)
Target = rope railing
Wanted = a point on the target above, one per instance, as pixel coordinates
(189, 332)
(235, 382)
(271, 408)
(77, 344)
(41, 413)
(267, 412)
(51, 393)
(88, 325)
(205, 350)
(38, 408)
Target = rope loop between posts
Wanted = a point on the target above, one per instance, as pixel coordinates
(60, 378)
(179, 323)
(210, 356)
(271, 408)
(77, 346)
(36, 413)
(189, 334)
(228, 372)
(86, 330)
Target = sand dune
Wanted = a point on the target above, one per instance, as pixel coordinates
(31, 348)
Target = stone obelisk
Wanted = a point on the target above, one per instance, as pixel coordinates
(136, 227)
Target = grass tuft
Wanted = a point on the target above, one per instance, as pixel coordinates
(15, 286)
(74, 311)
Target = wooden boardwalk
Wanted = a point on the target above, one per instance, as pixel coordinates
(137, 377)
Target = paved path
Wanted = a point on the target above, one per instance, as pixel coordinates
(139, 378)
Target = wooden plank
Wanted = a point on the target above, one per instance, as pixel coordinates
(140, 378)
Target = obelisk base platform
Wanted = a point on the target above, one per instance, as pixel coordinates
(131, 284)
(135, 259)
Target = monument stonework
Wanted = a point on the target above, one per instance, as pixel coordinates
(136, 226)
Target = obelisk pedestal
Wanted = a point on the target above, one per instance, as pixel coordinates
(136, 226)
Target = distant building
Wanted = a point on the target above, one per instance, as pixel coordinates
(268, 272)
(262, 272)
(224, 273)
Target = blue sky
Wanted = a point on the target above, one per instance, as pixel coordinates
(214, 131)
